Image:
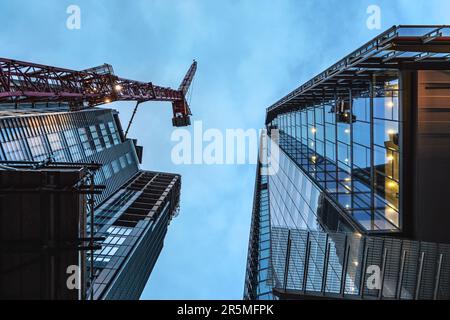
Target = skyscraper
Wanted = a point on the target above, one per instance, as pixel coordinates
(79, 219)
(132, 213)
(357, 208)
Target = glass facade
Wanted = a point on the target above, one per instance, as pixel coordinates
(304, 206)
(301, 245)
(350, 148)
(134, 222)
(258, 284)
(83, 137)
(362, 145)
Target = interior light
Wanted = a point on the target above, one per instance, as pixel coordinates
(390, 210)
(390, 158)
(392, 184)
(347, 130)
(118, 87)
(391, 131)
(390, 104)
(313, 130)
(107, 100)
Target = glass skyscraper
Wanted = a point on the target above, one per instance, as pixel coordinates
(356, 207)
(131, 214)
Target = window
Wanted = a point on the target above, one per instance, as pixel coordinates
(37, 148)
(115, 166)
(74, 147)
(107, 171)
(129, 160)
(57, 147)
(88, 149)
(123, 162)
(114, 134)
(105, 135)
(13, 151)
(96, 139)
(338, 155)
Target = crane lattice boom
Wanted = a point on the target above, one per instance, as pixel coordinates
(25, 82)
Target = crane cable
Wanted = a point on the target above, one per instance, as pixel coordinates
(190, 93)
(132, 117)
(191, 90)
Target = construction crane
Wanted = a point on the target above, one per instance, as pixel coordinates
(25, 82)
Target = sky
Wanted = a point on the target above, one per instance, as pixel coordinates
(250, 53)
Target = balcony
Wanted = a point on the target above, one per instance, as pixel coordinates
(312, 265)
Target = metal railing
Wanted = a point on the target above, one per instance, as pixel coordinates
(351, 266)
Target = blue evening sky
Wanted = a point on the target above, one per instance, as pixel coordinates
(250, 54)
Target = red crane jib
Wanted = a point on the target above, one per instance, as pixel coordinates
(25, 82)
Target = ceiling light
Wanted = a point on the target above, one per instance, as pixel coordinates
(392, 184)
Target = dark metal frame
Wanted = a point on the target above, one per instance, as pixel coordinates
(392, 50)
(85, 186)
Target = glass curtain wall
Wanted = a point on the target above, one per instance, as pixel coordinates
(350, 147)
(258, 285)
(70, 137)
